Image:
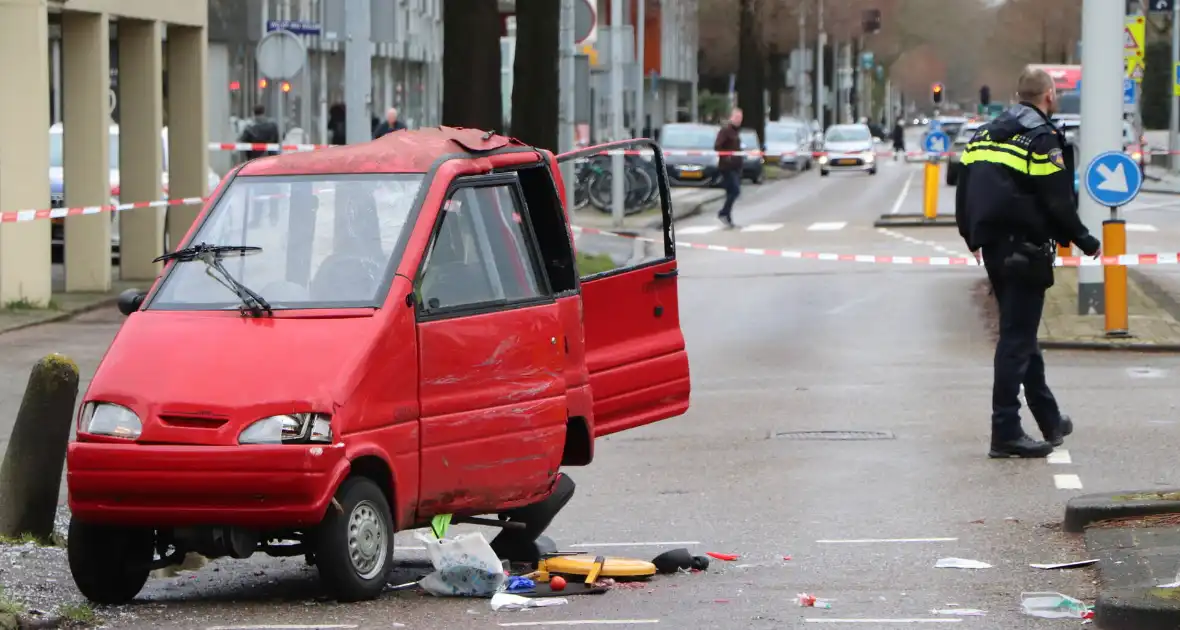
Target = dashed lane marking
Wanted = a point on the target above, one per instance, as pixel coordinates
(675, 543)
(905, 189)
(1060, 456)
(762, 227)
(697, 229)
(579, 622)
(884, 540)
(1067, 482)
(270, 626)
(830, 226)
(1141, 227)
(877, 621)
(931, 244)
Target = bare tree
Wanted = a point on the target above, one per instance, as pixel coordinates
(471, 65)
(536, 79)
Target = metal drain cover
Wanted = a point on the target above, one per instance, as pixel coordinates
(834, 435)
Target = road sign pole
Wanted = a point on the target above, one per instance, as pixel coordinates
(1114, 243)
(1174, 126)
(567, 93)
(1102, 30)
(618, 191)
(358, 64)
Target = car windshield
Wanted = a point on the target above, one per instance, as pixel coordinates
(848, 134)
(749, 139)
(782, 133)
(688, 136)
(951, 128)
(326, 242)
(966, 132)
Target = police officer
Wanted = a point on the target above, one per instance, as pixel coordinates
(1015, 200)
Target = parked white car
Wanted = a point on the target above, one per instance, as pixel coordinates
(57, 185)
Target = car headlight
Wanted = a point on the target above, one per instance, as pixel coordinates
(823, 159)
(110, 420)
(869, 156)
(291, 428)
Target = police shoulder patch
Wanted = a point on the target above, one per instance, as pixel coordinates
(1057, 158)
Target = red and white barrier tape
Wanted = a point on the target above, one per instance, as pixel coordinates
(1127, 260)
(246, 146)
(19, 216)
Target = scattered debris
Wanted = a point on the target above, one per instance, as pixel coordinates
(557, 583)
(1065, 565)
(464, 565)
(960, 563)
(507, 601)
(810, 601)
(678, 559)
(1054, 606)
(728, 557)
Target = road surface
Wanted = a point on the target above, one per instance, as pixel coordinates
(776, 346)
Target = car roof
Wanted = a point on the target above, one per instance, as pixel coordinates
(849, 126)
(398, 152)
(691, 126)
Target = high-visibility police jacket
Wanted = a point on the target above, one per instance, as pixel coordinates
(1017, 181)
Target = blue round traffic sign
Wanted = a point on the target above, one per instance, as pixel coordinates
(937, 142)
(1113, 179)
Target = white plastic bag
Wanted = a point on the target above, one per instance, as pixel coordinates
(507, 601)
(464, 566)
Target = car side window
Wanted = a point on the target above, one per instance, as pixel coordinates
(481, 256)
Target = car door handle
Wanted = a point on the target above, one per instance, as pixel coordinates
(664, 275)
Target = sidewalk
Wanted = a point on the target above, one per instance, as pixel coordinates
(686, 202)
(62, 305)
(1152, 326)
(1159, 180)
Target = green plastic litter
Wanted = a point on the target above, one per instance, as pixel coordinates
(439, 525)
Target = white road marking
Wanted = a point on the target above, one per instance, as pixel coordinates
(1140, 227)
(290, 627)
(697, 229)
(762, 227)
(681, 543)
(905, 189)
(577, 622)
(1060, 456)
(884, 540)
(827, 227)
(827, 620)
(1067, 482)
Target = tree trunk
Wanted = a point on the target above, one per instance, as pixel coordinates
(751, 78)
(536, 79)
(777, 82)
(471, 65)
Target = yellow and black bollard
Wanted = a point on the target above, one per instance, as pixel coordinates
(930, 189)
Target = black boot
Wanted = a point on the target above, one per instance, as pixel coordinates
(1024, 446)
(1056, 437)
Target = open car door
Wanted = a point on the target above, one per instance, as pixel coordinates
(634, 347)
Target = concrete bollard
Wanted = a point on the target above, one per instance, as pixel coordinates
(30, 476)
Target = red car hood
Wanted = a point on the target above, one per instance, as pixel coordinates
(230, 369)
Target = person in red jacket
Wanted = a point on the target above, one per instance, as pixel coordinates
(729, 165)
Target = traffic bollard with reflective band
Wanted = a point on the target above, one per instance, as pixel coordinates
(1114, 243)
(930, 190)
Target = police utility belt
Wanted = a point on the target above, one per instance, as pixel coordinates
(1030, 262)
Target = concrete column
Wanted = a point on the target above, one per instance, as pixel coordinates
(188, 156)
(24, 153)
(141, 155)
(86, 167)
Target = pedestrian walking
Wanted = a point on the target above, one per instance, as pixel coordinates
(1015, 201)
(390, 124)
(729, 165)
(262, 130)
(336, 124)
(898, 139)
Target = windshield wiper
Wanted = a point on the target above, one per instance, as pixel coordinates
(212, 256)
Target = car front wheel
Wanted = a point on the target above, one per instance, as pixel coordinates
(354, 544)
(109, 564)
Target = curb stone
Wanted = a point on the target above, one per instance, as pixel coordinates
(1135, 610)
(9, 621)
(64, 315)
(1122, 346)
(1091, 508)
(693, 210)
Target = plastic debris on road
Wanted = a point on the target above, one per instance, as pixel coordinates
(960, 563)
(507, 601)
(518, 583)
(464, 566)
(810, 601)
(1065, 565)
(1054, 606)
(728, 557)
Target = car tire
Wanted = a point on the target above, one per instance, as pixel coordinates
(109, 564)
(823, 172)
(364, 524)
(757, 179)
(873, 171)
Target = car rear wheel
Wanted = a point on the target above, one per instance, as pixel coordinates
(109, 564)
(354, 544)
(823, 172)
(873, 171)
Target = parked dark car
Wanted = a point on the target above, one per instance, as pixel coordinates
(752, 165)
(689, 155)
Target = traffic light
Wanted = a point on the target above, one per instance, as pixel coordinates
(985, 96)
(936, 93)
(262, 84)
(285, 86)
(870, 20)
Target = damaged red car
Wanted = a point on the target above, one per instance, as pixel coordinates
(352, 341)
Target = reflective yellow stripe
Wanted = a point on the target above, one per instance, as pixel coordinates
(1040, 165)
(982, 144)
(1016, 163)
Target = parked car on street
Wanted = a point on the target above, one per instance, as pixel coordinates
(753, 161)
(411, 338)
(57, 186)
(690, 159)
(953, 164)
(789, 144)
(849, 148)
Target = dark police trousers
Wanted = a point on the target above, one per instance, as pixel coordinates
(1018, 359)
(732, 182)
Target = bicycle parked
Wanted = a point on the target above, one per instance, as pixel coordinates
(595, 184)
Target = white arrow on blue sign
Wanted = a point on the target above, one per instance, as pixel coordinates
(1113, 179)
(1128, 91)
(937, 142)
